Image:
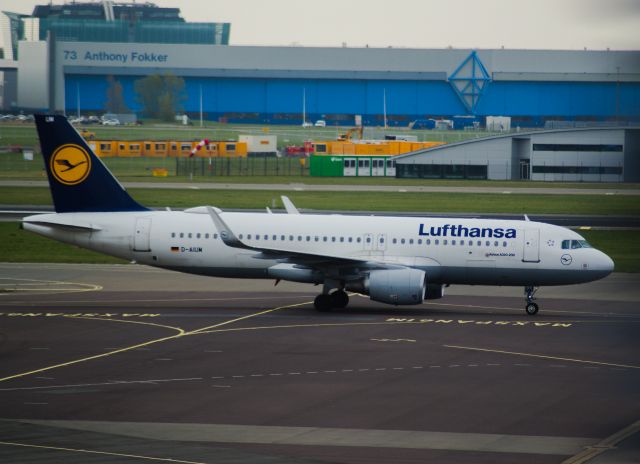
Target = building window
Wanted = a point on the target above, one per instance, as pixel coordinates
(616, 170)
(575, 147)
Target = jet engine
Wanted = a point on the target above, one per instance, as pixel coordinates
(394, 286)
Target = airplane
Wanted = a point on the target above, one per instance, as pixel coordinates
(394, 260)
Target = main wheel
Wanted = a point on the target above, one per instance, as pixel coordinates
(339, 299)
(323, 302)
(531, 309)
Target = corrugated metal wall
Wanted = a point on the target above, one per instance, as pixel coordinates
(280, 100)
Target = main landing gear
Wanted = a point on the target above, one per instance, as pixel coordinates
(531, 308)
(327, 301)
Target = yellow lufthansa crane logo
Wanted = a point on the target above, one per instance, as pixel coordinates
(70, 164)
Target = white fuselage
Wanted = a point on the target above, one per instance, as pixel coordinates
(449, 250)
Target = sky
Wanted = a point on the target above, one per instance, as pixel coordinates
(512, 24)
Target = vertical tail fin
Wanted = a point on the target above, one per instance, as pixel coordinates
(79, 181)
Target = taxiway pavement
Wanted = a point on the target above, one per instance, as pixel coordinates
(133, 364)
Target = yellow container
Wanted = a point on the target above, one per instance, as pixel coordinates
(160, 172)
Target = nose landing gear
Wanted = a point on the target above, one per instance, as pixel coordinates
(531, 308)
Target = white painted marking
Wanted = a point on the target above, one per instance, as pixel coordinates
(39, 348)
(110, 382)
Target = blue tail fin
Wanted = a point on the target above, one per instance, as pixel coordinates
(79, 181)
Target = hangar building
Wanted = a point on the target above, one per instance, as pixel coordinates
(64, 63)
(570, 155)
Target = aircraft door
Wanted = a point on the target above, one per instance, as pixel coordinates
(349, 168)
(531, 251)
(381, 242)
(142, 235)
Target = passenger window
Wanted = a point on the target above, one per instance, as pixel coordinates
(479, 243)
(275, 237)
(324, 239)
(368, 239)
(504, 244)
(291, 237)
(402, 241)
(395, 240)
(453, 242)
(206, 235)
(419, 241)
(249, 237)
(316, 238)
(173, 235)
(299, 238)
(197, 235)
(308, 238)
(381, 240)
(257, 236)
(461, 242)
(240, 236)
(216, 236)
(350, 239)
(190, 235)
(436, 242)
(428, 241)
(495, 243)
(410, 241)
(266, 237)
(333, 239)
(358, 240)
(488, 243)
(341, 239)
(444, 242)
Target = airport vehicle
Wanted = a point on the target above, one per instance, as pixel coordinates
(395, 260)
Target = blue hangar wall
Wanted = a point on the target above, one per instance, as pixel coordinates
(281, 100)
(268, 84)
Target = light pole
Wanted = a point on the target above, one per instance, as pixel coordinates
(617, 94)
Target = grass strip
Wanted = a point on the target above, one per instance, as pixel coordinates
(619, 205)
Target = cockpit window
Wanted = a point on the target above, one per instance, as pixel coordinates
(574, 244)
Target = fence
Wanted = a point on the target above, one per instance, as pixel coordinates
(253, 166)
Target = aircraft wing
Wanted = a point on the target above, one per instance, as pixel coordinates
(314, 260)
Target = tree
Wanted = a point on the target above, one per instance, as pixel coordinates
(115, 101)
(161, 96)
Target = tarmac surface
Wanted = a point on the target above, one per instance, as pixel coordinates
(127, 364)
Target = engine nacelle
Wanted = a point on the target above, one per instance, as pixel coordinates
(397, 286)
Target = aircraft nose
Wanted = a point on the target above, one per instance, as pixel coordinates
(604, 264)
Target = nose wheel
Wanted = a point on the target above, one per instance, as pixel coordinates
(531, 308)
